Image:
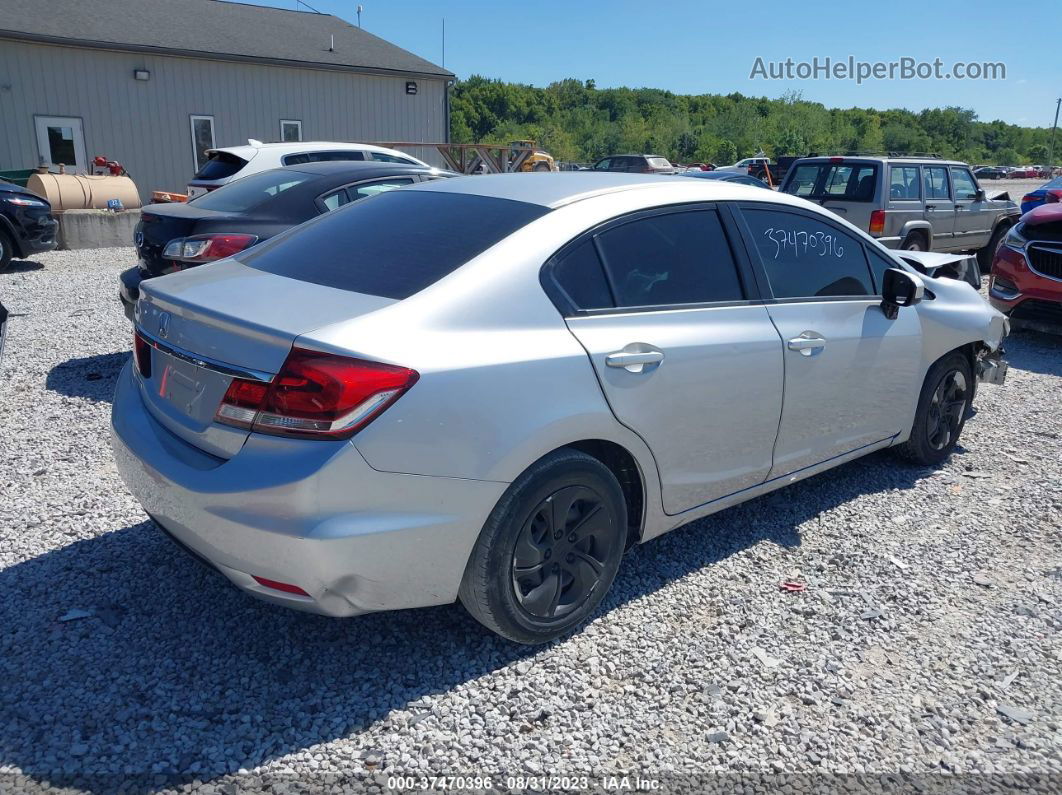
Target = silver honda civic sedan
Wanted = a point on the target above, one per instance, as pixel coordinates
(488, 388)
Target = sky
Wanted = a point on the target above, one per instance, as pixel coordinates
(704, 47)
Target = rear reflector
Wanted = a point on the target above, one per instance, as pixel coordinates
(142, 352)
(877, 222)
(280, 586)
(315, 395)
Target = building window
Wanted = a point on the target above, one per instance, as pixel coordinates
(202, 139)
(290, 130)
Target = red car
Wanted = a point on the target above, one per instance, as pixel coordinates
(1026, 281)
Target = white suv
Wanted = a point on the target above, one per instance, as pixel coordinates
(235, 162)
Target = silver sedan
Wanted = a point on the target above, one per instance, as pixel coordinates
(488, 388)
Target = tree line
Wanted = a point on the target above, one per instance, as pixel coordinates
(574, 120)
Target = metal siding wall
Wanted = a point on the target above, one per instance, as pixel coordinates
(145, 125)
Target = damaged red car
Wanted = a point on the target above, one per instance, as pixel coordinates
(1026, 281)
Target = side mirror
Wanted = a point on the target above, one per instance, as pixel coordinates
(980, 195)
(900, 288)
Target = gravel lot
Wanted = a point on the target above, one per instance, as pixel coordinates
(927, 641)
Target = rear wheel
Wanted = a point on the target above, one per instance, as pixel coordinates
(941, 414)
(916, 241)
(6, 250)
(541, 166)
(549, 551)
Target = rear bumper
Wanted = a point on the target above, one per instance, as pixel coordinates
(129, 289)
(312, 514)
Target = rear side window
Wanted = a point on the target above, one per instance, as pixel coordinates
(251, 191)
(394, 245)
(659, 162)
(580, 275)
(221, 165)
(383, 157)
(843, 181)
(320, 157)
(677, 258)
(372, 188)
(807, 258)
(904, 183)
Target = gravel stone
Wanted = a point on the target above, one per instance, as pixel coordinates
(180, 682)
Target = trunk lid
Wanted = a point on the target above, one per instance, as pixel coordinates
(214, 323)
(159, 225)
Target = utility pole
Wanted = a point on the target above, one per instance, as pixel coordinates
(1054, 129)
(444, 42)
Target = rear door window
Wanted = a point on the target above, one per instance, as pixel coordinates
(936, 179)
(807, 258)
(673, 258)
(904, 183)
(393, 246)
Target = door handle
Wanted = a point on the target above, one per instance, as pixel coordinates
(634, 361)
(931, 206)
(808, 344)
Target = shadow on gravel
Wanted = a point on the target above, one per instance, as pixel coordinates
(1035, 352)
(91, 377)
(23, 266)
(177, 674)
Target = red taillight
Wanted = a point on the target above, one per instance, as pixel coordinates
(280, 586)
(207, 248)
(877, 222)
(142, 351)
(1054, 196)
(1028, 197)
(316, 395)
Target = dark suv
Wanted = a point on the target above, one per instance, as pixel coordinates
(636, 164)
(26, 223)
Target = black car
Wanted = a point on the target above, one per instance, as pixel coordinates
(727, 176)
(26, 223)
(990, 172)
(173, 237)
(635, 164)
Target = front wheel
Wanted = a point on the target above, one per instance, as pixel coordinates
(941, 414)
(988, 253)
(549, 551)
(7, 250)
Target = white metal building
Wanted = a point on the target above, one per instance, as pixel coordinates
(153, 83)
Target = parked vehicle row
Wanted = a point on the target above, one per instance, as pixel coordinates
(1049, 193)
(913, 204)
(349, 417)
(174, 237)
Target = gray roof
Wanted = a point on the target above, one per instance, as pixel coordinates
(210, 28)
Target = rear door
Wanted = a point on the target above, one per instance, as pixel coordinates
(939, 207)
(849, 371)
(686, 356)
(904, 199)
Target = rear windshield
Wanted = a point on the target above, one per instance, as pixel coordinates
(843, 181)
(251, 191)
(221, 165)
(659, 162)
(394, 244)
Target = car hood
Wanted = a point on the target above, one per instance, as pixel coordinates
(11, 189)
(1044, 214)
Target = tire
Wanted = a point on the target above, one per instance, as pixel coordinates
(545, 600)
(540, 166)
(7, 250)
(916, 241)
(934, 434)
(988, 253)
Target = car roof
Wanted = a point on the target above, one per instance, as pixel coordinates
(913, 159)
(247, 150)
(606, 157)
(363, 168)
(556, 189)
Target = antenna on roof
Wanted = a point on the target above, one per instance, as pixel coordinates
(360, 9)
